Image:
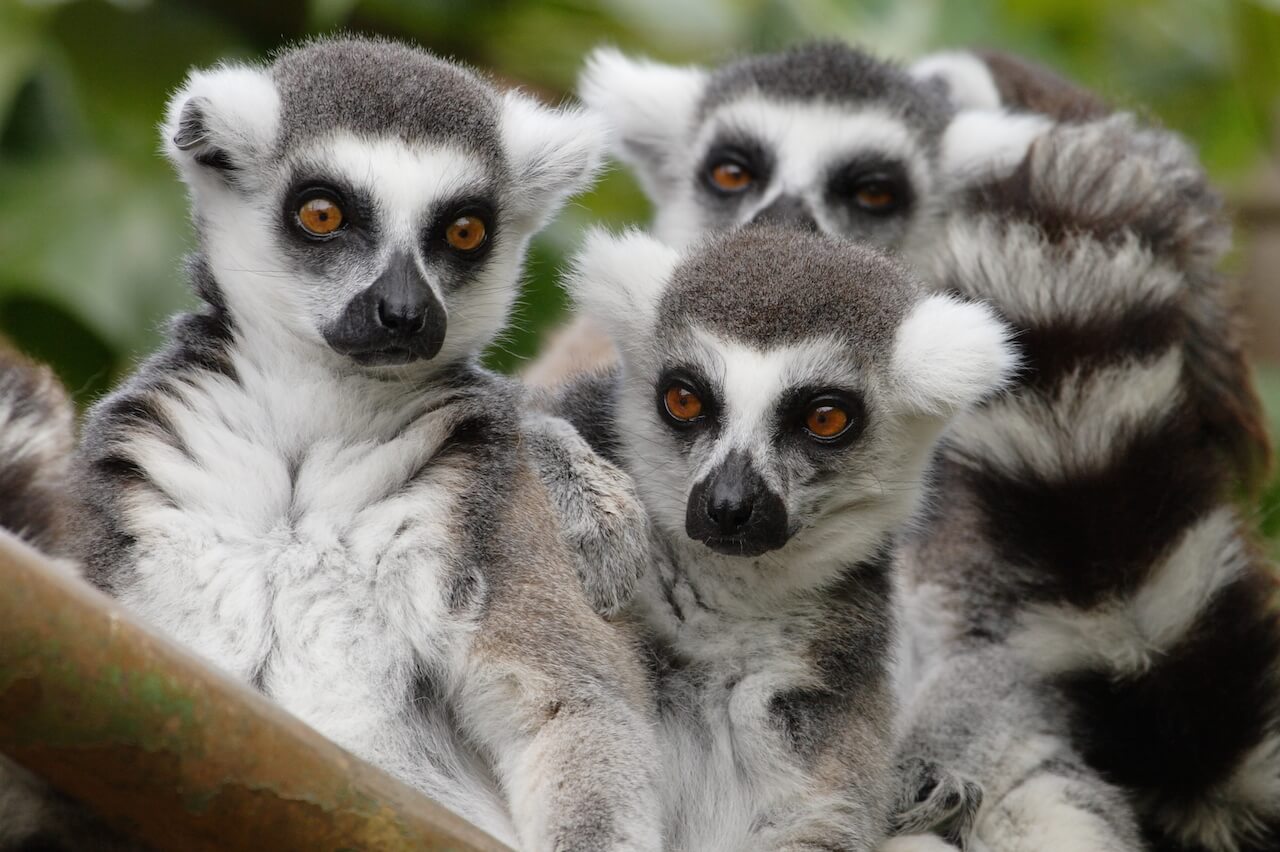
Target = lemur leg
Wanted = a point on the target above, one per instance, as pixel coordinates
(576, 757)
(553, 694)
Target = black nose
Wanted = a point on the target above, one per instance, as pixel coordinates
(787, 211)
(402, 316)
(735, 512)
(397, 319)
(728, 507)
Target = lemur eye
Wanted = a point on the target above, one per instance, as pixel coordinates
(876, 196)
(466, 233)
(730, 176)
(826, 421)
(320, 216)
(682, 404)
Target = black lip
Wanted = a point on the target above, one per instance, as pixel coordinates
(728, 546)
(389, 357)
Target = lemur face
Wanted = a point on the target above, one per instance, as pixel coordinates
(778, 387)
(370, 197)
(822, 138)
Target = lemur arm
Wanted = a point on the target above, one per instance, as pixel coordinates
(553, 700)
(601, 518)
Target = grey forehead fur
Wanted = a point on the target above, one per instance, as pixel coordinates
(380, 87)
(770, 285)
(834, 72)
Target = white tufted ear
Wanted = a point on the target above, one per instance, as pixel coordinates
(554, 153)
(221, 123)
(988, 143)
(950, 354)
(618, 281)
(964, 77)
(650, 108)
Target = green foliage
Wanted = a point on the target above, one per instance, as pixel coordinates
(93, 224)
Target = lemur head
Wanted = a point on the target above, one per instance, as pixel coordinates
(370, 198)
(822, 137)
(780, 391)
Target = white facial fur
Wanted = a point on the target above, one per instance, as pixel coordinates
(274, 286)
(808, 142)
(946, 355)
(660, 132)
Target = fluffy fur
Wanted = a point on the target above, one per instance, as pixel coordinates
(359, 529)
(771, 662)
(36, 439)
(1100, 542)
(1085, 528)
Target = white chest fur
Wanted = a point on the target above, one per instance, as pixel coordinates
(727, 767)
(300, 534)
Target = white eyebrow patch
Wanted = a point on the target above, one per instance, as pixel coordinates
(752, 380)
(404, 180)
(808, 139)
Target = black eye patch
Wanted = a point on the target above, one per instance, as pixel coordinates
(474, 215)
(734, 165)
(357, 209)
(873, 186)
(685, 402)
(821, 418)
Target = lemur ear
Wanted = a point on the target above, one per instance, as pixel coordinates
(950, 354)
(221, 122)
(618, 281)
(650, 108)
(985, 143)
(554, 153)
(963, 77)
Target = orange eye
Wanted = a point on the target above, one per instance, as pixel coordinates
(467, 233)
(826, 421)
(320, 216)
(682, 404)
(728, 176)
(875, 196)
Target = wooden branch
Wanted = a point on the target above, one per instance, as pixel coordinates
(172, 752)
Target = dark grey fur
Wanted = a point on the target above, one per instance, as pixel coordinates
(833, 72)
(770, 285)
(345, 83)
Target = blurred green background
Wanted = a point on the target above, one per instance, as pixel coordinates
(93, 223)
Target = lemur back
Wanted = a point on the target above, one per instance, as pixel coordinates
(776, 402)
(313, 484)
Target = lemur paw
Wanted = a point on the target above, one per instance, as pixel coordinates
(934, 800)
(601, 517)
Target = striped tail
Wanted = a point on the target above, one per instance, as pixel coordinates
(1102, 490)
(36, 441)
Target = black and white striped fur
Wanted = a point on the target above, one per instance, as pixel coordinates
(1088, 521)
(1003, 104)
(358, 529)
(36, 442)
(771, 646)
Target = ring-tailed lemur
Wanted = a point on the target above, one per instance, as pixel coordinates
(778, 397)
(315, 487)
(666, 120)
